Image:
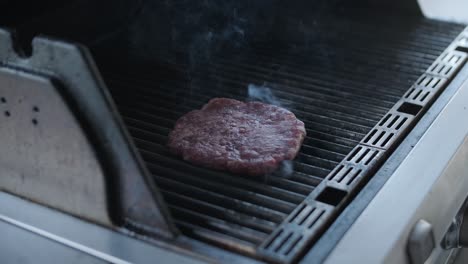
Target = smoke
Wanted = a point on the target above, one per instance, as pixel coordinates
(191, 32)
(263, 94)
(204, 44)
(286, 169)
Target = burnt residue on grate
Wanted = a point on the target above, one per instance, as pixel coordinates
(341, 84)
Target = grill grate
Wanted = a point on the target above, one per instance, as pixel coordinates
(341, 85)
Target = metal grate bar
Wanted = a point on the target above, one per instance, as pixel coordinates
(314, 74)
(310, 81)
(173, 92)
(340, 132)
(164, 101)
(241, 232)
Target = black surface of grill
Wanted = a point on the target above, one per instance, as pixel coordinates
(350, 73)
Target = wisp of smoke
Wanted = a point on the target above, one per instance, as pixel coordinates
(286, 168)
(262, 94)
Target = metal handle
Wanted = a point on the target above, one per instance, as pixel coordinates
(457, 234)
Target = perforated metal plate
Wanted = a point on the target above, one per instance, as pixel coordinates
(115, 186)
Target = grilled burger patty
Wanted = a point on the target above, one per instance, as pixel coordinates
(250, 138)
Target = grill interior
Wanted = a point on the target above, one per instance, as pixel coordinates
(340, 81)
(338, 69)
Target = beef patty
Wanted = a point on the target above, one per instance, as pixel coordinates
(250, 138)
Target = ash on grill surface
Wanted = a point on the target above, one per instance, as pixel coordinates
(340, 84)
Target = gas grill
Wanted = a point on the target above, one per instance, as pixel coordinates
(86, 120)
